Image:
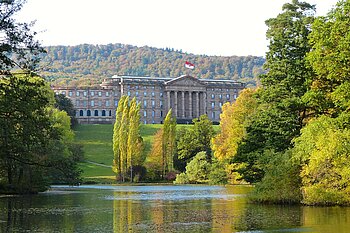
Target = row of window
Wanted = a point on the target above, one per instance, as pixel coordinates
(137, 87)
(92, 103)
(85, 93)
(227, 96)
(145, 94)
(94, 112)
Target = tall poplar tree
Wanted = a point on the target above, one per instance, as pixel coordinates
(168, 143)
(123, 138)
(116, 150)
(134, 148)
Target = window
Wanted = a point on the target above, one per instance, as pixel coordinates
(116, 103)
(220, 96)
(128, 93)
(81, 113)
(144, 113)
(70, 93)
(161, 103)
(153, 113)
(212, 96)
(145, 103)
(100, 93)
(92, 93)
(100, 103)
(85, 93)
(63, 93)
(107, 93)
(77, 103)
(213, 115)
(77, 93)
(220, 104)
(161, 113)
(103, 112)
(110, 112)
(96, 113)
(212, 105)
(228, 96)
(161, 94)
(85, 103)
(92, 103)
(152, 94)
(145, 94)
(137, 94)
(153, 103)
(107, 103)
(88, 113)
(235, 96)
(136, 87)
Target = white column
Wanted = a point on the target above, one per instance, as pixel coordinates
(190, 105)
(168, 100)
(197, 105)
(205, 102)
(183, 104)
(175, 105)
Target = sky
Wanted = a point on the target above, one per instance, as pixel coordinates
(210, 27)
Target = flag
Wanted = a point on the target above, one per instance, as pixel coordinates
(189, 65)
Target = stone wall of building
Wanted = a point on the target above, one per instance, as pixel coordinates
(188, 97)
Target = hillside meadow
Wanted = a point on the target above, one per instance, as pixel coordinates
(98, 151)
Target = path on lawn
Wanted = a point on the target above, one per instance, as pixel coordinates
(98, 164)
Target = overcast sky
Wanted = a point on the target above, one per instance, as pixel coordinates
(211, 27)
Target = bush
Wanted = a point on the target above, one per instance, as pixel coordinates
(281, 183)
(217, 174)
(181, 178)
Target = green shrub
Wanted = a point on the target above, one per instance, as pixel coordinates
(181, 178)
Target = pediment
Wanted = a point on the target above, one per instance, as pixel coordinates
(185, 80)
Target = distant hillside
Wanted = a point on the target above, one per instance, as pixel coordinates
(88, 64)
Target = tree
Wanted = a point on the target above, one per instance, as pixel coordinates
(65, 104)
(197, 170)
(127, 140)
(323, 153)
(168, 143)
(330, 59)
(282, 111)
(134, 138)
(232, 120)
(123, 138)
(196, 139)
(18, 48)
(34, 137)
(118, 116)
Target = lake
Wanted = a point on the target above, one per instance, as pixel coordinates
(161, 208)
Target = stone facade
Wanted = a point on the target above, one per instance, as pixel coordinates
(187, 96)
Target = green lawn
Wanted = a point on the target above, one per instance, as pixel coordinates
(97, 142)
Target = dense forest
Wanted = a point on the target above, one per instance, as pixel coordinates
(88, 64)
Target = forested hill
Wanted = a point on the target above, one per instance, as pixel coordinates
(82, 63)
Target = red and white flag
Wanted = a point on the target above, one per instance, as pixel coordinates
(189, 65)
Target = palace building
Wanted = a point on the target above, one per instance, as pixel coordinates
(188, 97)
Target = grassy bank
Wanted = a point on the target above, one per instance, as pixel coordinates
(97, 142)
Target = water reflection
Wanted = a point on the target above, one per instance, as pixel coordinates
(161, 209)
